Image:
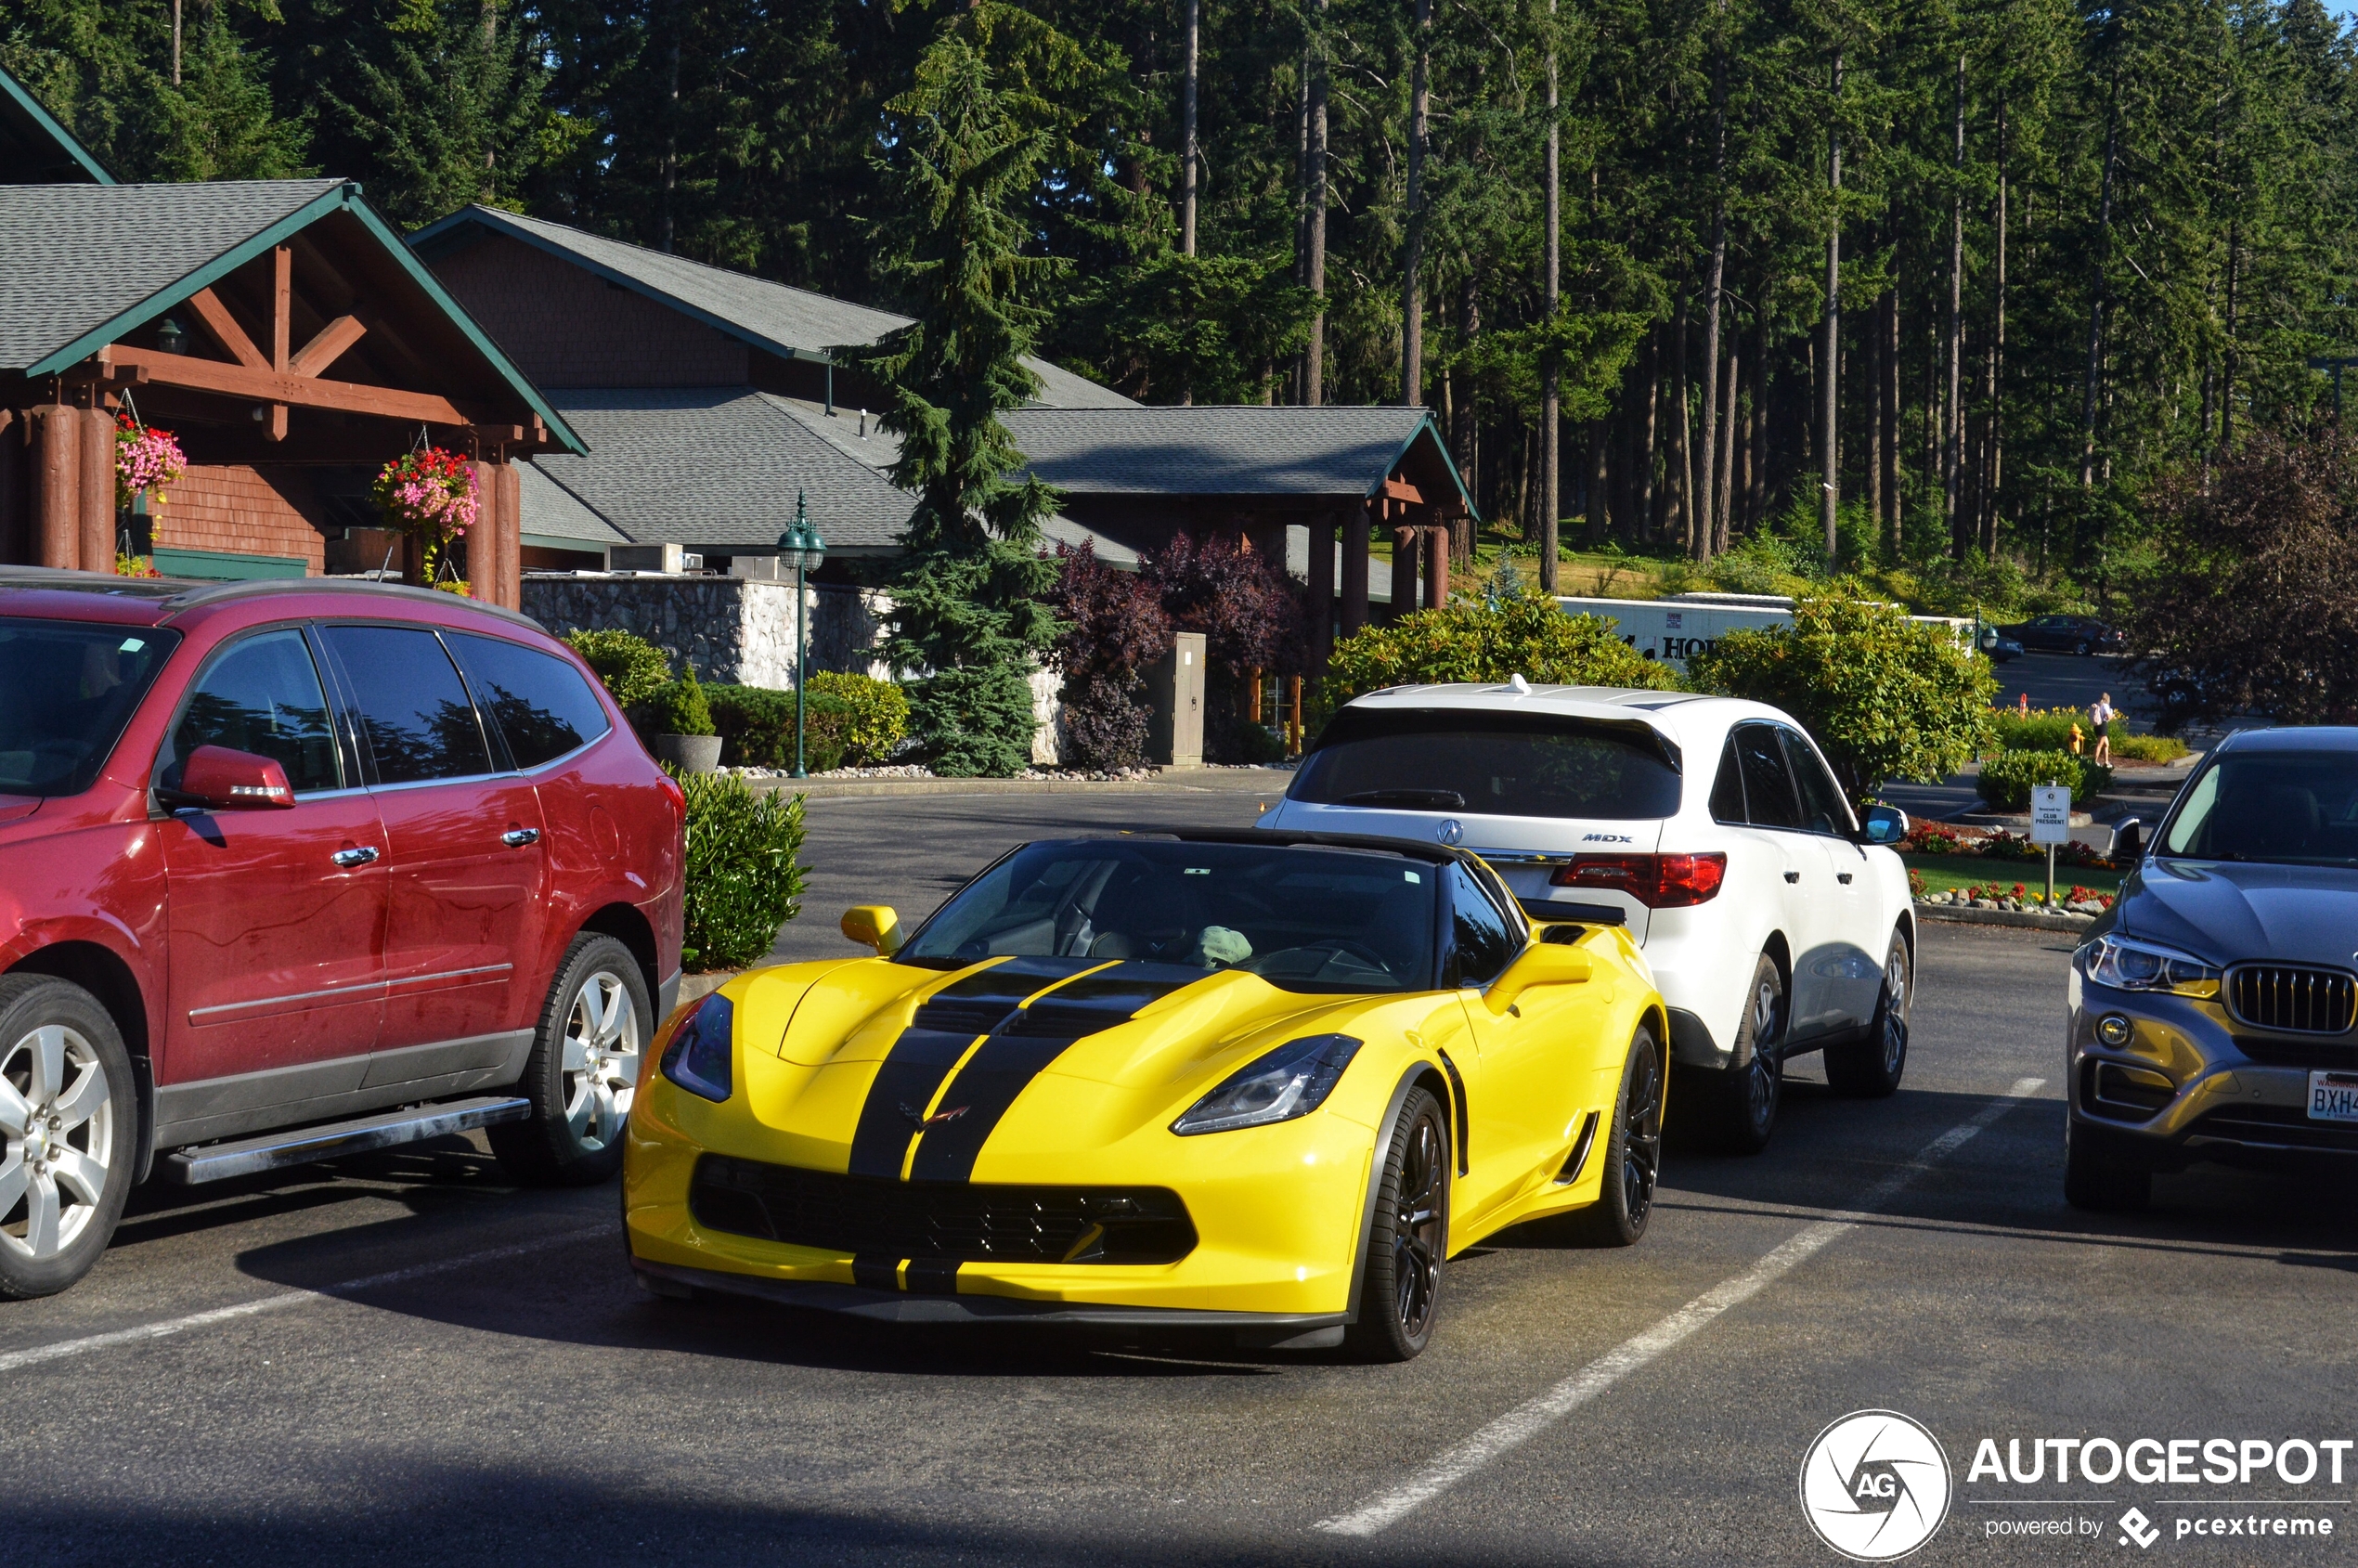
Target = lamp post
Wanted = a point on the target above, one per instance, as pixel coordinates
(800, 550)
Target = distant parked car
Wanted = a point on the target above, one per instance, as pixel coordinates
(290, 870)
(2067, 634)
(2214, 1009)
(1775, 923)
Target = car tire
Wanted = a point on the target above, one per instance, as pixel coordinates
(2097, 1182)
(1738, 1106)
(2082, 648)
(1632, 1152)
(69, 1133)
(1407, 1238)
(583, 1070)
(1870, 1068)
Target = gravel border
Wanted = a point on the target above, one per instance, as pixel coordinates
(2034, 919)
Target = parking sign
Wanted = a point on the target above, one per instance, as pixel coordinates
(2050, 814)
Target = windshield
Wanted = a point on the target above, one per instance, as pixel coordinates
(2296, 807)
(67, 689)
(1502, 764)
(1302, 919)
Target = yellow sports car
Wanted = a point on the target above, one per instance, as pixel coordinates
(1261, 1082)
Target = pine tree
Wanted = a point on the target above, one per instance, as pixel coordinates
(967, 615)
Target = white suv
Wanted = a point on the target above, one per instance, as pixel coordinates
(1774, 923)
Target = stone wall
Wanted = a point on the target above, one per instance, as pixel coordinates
(732, 631)
(741, 633)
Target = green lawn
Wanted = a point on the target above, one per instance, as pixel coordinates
(1942, 873)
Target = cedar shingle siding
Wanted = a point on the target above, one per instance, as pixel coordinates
(244, 511)
(565, 327)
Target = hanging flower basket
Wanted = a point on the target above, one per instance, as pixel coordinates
(148, 462)
(429, 494)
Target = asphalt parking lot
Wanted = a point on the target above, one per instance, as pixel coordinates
(401, 1359)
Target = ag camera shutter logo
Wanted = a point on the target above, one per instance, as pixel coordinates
(1875, 1485)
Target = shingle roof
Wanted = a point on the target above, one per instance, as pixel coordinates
(1255, 449)
(716, 468)
(552, 512)
(772, 316)
(73, 257)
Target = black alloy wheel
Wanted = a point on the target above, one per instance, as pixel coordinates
(1632, 1152)
(1740, 1104)
(1400, 1282)
(1871, 1068)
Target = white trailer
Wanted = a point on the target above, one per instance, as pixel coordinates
(1672, 629)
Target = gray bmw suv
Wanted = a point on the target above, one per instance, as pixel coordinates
(2212, 1009)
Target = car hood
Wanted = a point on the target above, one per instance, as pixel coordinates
(876, 1051)
(2230, 912)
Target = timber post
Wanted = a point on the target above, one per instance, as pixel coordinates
(57, 481)
(96, 497)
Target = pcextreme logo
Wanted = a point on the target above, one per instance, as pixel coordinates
(1875, 1485)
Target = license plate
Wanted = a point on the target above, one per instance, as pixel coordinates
(2333, 1096)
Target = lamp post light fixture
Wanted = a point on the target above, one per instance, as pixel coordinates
(800, 550)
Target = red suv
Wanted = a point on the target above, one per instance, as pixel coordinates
(290, 870)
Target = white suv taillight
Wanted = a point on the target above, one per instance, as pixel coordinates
(1656, 881)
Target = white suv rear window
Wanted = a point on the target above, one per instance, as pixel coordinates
(1500, 764)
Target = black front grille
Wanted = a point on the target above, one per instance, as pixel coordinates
(2295, 1001)
(958, 1221)
(2278, 1127)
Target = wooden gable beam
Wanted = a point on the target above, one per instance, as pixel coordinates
(284, 388)
(327, 346)
(226, 330)
(1401, 490)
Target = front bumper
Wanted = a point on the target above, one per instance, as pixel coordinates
(2189, 1085)
(1278, 1214)
(1263, 1330)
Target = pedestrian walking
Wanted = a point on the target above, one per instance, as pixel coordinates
(2103, 713)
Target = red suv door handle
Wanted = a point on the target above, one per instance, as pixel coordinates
(350, 858)
(517, 837)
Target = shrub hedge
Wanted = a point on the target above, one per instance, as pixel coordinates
(633, 668)
(743, 877)
(2007, 778)
(880, 713)
(756, 727)
(2049, 729)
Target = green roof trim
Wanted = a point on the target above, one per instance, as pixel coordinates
(223, 565)
(1426, 426)
(345, 197)
(425, 279)
(204, 277)
(26, 107)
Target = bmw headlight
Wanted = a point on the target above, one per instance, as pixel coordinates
(700, 1058)
(2133, 966)
(1292, 1081)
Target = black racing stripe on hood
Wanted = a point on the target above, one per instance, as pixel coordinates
(946, 1024)
(1022, 1048)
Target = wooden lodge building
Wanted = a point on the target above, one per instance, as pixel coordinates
(614, 398)
(278, 329)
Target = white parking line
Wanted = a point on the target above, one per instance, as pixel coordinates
(33, 1356)
(1527, 1421)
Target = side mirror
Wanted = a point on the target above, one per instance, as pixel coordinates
(875, 926)
(1541, 964)
(221, 780)
(1884, 824)
(2128, 840)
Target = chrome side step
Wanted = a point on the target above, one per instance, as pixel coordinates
(301, 1145)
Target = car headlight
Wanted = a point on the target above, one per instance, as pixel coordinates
(700, 1058)
(2133, 965)
(1292, 1081)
